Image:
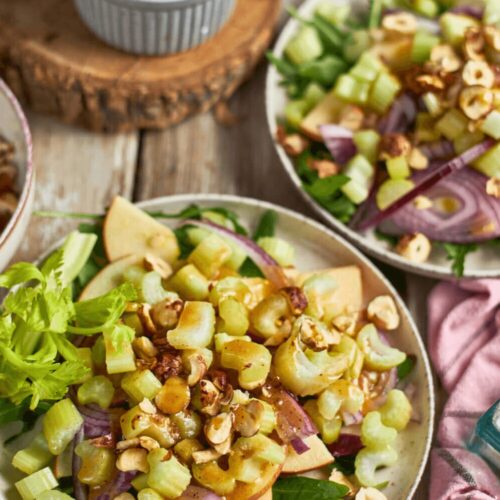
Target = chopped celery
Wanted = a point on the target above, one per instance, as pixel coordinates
(140, 482)
(425, 128)
(85, 356)
(149, 494)
(332, 12)
(352, 90)
(359, 42)
(428, 8)
(361, 173)
(141, 384)
(432, 103)
(378, 356)
(368, 67)
(212, 476)
(189, 283)
(423, 43)
(119, 358)
(328, 428)
(391, 190)
(188, 423)
(196, 326)
(489, 163)
(398, 168)
(262, 447)
(467, 140)
(33, 458)
(53, 495)
(491, 125)
(233, 317)
(184, 449)
(368, 461)
(304, 46)
(167, 475)
(210, 255)
(197, 234)
(396, 411)
(383, 92)
(452, 124)
(31, 487)
(60, 424)
(268, 418)
(314, 93)
(151, 288)
(97, 463)
(374, 434)
(295, 112)
(324, 71)
(367, 142)
(280, 250)
(99, 352)
(97, 390)
(454, 26)
(221, 339)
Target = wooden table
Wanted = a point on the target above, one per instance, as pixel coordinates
(80, 171)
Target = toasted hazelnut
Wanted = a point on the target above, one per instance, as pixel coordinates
(493, 187)
(422, 202)
(383, 313)
(204, 456)
(492, 37)
(154, 263)
(393, 146)
(219, 428)
(478, 73)
(148, 443)
(144, 313)
(144, 348)
(197, 368)
(351, 117)
(294, 144)
(225, 447)
(167, 365)
(445, 58)
(296, 298)
(430, 82)
(209, 398)
(415, 247)
(165, 314)
(337, 477)
(317, 337)
(133, 459)
(346, 323)
(476, 102)
(325, 168)
(107, 441)
(401, 23)
(483, 228)
(248, 418)
(474, 44)
(8, 201)
(147, 406)
(417, 159)
(370, 494)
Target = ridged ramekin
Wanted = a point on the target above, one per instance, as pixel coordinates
(155, 27)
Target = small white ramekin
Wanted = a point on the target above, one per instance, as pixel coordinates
(155, 27)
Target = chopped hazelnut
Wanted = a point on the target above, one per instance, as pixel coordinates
(393, 146)
(430, 82)
(294, 144)
(204, 456)
(154, 263)
(317, 337)
(417, 159)
(415, 247)
(144, 313)
(351, 117)
(144, 348)
(370, 494)
(476, 102)
(445, 58)
(383, 313)
(147, 406)
(401, 23)
(483, 228)
(346, 323)
(325, 168)
(474, 44)
(493, 187)
(209, 398)
(296, 298)
(478, 73)
(133, 459)
(338, 477)
(247, 418)
(197, 368)
(422, 202)
(165, 314)
(219, 428)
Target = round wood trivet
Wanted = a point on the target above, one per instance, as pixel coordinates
(55, 65)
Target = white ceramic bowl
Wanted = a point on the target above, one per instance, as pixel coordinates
(14, 127)
(155, 27)
(316, 248)
(484, 263)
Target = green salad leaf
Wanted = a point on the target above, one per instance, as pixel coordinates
(299, 488)
(344, 464)
(266, 225)
(406, 367)
(456, 253)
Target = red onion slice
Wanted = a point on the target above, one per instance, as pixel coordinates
(400, 116)
(474, 11)
(198, 493)
(437, 150)
(428, 181)
(299, 446)
(346, 444)
(339, 141)
(268, 266)
(79, 490)
(121, 483)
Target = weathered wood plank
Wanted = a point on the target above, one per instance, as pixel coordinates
(77, 171)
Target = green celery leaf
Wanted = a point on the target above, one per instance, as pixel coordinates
(300, 488)
(457, 252)
(267, 225)
(22, 272)
(406, 367)
(341, 207)
(120, 334)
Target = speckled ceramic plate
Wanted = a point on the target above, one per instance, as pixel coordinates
(316, 248)
(485, 263)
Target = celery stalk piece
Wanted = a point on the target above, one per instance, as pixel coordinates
(314, 94)
(97, 463)
(396, 411)
(85, 355)
(350, 89)
(99, 352)
(97, 390)
(149, 494)
(378, 356)
(333, 13)
(31, 487)
(361, 172)
(33, 458)
(432, 103)
(167, 476)
(423, 43)
(60, 424)
(368, 461)
(210, 255)
(189, 283)
(295, 112)
(141, 384)
(466, 141)
(428, 8)
(140, 482)
(360, 42)
(221, 339)
(383, 92)
(328, 428)
(391, 190)
(452, 124)
(151, 288)
(53, 495)
(268, 419)
(491, 125)
(233, 317)
(367, 68)
(425, 128)
(489, 163)
(305, 46)
(119, 358)
(374, 434)
(454, 26)
(195, 328)
(398, 168)
(367, 142)
(279, 249)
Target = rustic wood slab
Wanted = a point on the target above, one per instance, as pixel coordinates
(56, 66)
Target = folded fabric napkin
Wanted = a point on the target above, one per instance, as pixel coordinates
(464, 344)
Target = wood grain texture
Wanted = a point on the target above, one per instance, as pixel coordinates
(76, 171)
(54, 64)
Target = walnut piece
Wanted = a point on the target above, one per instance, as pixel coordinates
(476, 102)
(325, 168)
(383, 313)
(394, 145)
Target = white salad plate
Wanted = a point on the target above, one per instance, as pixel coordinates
(484, 263)
(317, 248)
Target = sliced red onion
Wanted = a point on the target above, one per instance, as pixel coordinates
(346, 445)
(268, 266)
(437, 150)
(468, 10)
(476, 210)
(400, 116)
(121, 483)
(339, 141)
(198, 493)
(299, 446)
(79, 490)
(292, 420)
(428, 181)
(96, 421)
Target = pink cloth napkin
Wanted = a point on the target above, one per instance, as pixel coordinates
(464, 344)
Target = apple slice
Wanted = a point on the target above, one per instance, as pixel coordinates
(259, 488)
(348, 297)
(109, 277)
(127, 230)
(326, 111)
(316, 457)
(268, 495)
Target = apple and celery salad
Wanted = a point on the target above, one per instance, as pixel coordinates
(197, 363)
(394, 120)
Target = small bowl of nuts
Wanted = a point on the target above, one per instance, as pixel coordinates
(16, 174)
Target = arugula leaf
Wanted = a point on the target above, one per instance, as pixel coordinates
(341, 207)
(299, 488)
(406, 367)
(185, 245)
(250, 270)
(322, 189)
(267, 225)
(120, 334)
(457, 252)
(344, 464)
